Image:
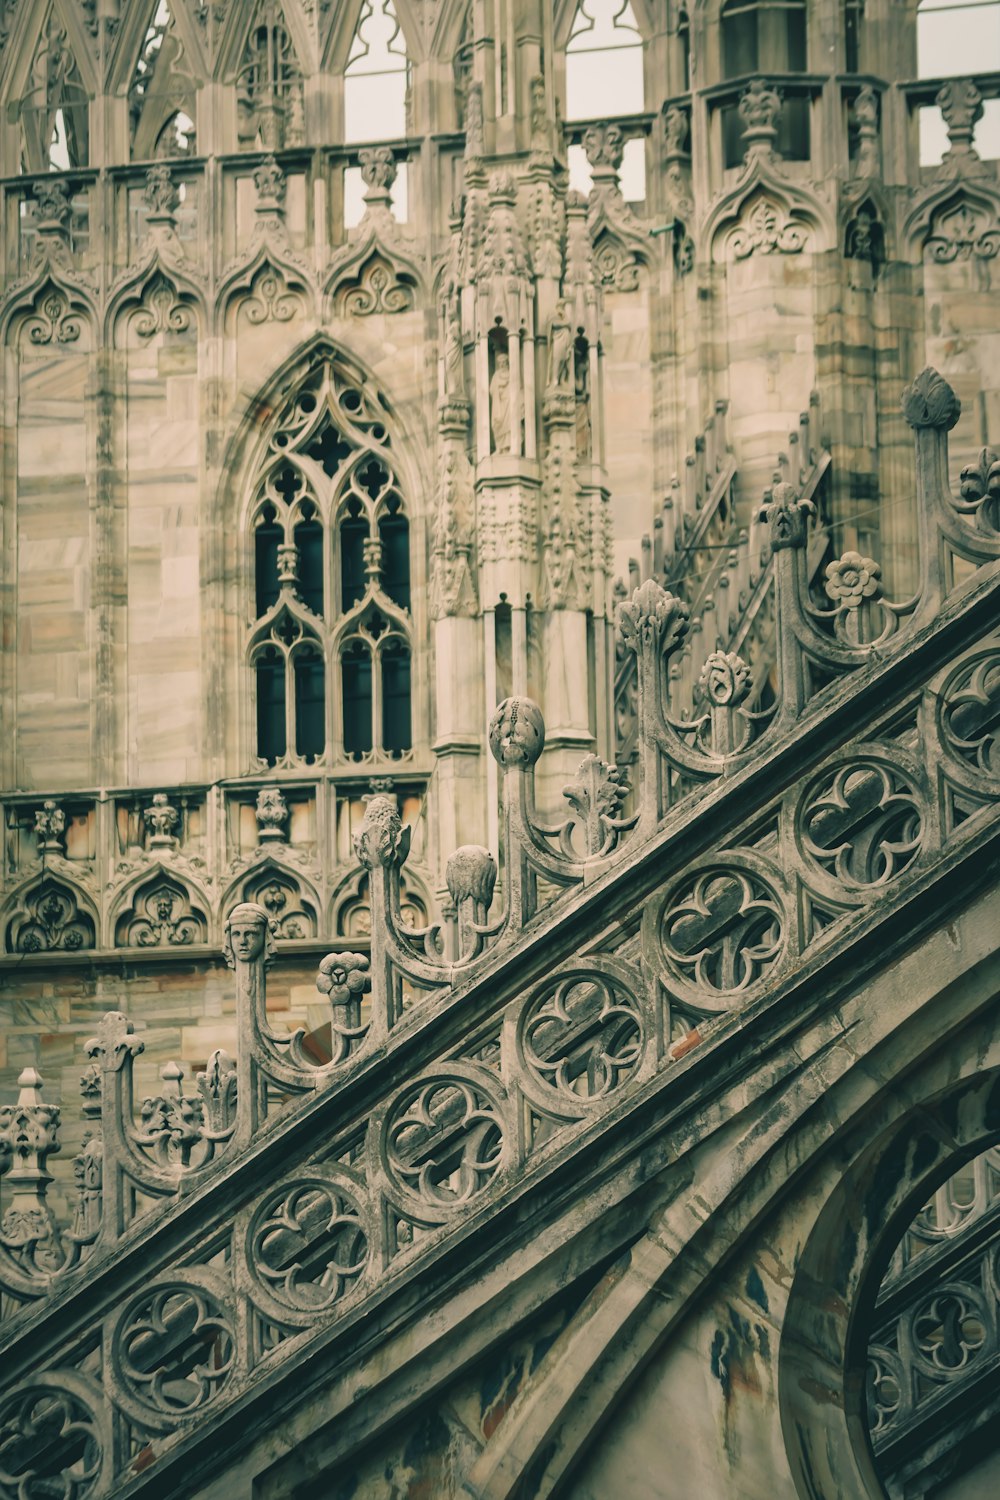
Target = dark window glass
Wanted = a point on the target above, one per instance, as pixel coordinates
(396, 731)
(769, 35)
(852, 36)
(270, 705)
(796, 37)
(310, 705)
(356, 666)
(394, 534)
(684, 37)
(353, 535)
(793, 130)
(309, 541)
(267, 539)
(739, 42)
(329, 449)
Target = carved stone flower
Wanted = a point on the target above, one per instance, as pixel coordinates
(853, 578)
(344, 977)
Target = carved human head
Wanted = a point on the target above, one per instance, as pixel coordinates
(248, 934)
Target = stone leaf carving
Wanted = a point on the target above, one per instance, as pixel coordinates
(51, 918)
(963, 233)
(766, 229)
(375, 289)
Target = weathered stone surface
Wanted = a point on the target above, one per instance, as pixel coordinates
(369, 493)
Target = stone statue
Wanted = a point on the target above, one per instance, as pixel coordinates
(581, 389)
(540, 132)
(454, 351)
(500, 414)
(560, 349)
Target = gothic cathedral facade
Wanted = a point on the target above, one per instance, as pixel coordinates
(499, 749)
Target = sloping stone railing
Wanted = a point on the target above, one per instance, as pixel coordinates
(227, 1234)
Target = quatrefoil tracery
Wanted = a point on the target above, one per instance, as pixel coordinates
(969, 714)
(443, 1140)
(308, 1245)
(174, 1349)
(863, 825)
(722, 931)
(582, 1036)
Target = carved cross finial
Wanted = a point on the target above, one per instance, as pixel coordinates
(161, 818)
(760, 110)
(50, 826)
(787, 515)
(114, 1042)
(272, 186)
(653, 617)
(160, 194)
(382, 841)
(961, 104)
(272, 814)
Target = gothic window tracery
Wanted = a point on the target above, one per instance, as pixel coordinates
(376, 80)
(269, 100)
(604, 61)
(604, 80)
(330, 648)
(161, 98)
(55, 108)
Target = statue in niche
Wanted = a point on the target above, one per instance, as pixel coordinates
(454, 350)
(540, 143)
(581, 389)
(560, 349)
(475, 145)
(500, 403)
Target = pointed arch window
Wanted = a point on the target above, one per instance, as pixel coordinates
(376, 79)
(162, 95)
(330, 649)
(604, 67)
(269, 97)
(55, 110)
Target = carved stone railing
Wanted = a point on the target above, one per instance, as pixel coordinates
(936, 1345)
(263, 1213)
